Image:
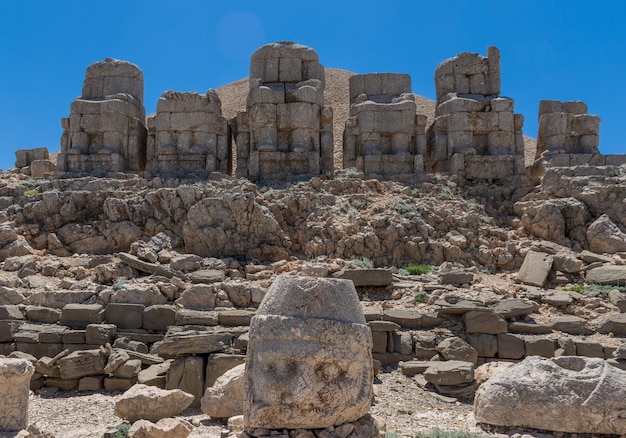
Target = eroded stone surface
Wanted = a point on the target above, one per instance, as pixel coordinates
(14, 390)
(309, 356)
(586, 395)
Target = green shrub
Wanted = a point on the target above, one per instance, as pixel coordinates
(438, 433)
(362, 262)
(415, 269)
(119, 282)
(596, 290)
(31, 192)
(121, 430)
(420, 297)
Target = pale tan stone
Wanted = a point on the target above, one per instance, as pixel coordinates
(15, 377)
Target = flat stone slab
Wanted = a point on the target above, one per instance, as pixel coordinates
(366, 277)
(191, 342)
(535, 268)
(458, 306)
(450, 372)
(405, 318)
(513, 307)
(613, 323)
(207, 276)
(607, 275)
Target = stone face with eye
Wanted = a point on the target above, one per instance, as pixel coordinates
(308, 371)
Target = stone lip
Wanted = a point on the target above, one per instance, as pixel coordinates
(315, 298)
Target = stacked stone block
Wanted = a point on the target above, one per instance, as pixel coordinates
(286, 129)
(105, 131)
(569, 136)
(476, 133)
(384, 135)
(188, 134)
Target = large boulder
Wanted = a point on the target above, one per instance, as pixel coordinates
(164, 428)
(225, 398)
(309, 362)
(143, 402)
(605, 236)
(234, 225)
(564, 394)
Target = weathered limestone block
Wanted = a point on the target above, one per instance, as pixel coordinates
(605, 236)
(566, 128)
(143, 402)
(15, 377)
(187, 374)
(82, 363)
(25, 157)
(188, 134)
(475, 133)
(164, 428)
(309, 356)
(105, 131)
(583, 395)
(224, 398)
(285, 130)
(384, 135)
(535, 268)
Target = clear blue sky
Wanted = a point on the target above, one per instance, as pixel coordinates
(564, 50)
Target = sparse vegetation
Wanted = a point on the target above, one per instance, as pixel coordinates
(121, 430)
(446, 193)
(119, 283)
(405, 208)
(420, 297)
(31, 192)
(596, 290)
(362, 262)
(418, 269)
(438, 433)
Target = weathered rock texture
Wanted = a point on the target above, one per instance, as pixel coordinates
(384, 135)
(564, 394)
(188, 135)
(286, 129)
(15, 377)
(475, 133)
(105, 131)
(143, 402)
(309, 359)
(225, 397)
(566, 128)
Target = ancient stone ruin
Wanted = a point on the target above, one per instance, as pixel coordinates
(286, 129)
(384, 135)
(309, 360)
(15, 377)
(187, 135)
(106, 131)
(475, 133)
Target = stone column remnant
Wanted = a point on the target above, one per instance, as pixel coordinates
(286, 130)
(475, 133)
(15, 377)
(188, 134)
(309, 362)
(106, 128)
(384, 135)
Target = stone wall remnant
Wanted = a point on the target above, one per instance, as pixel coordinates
(15, 377)
(286, 130)
(475, 133)
(188, 134)
(384, 135)
(105, 131)
(309, 360)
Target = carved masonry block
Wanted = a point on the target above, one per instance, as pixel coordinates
(475, 133)
(567, 134)
(105, 130)
(188, 134)
(286, 129)
(384, 135)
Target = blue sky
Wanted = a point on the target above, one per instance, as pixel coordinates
(563, 50)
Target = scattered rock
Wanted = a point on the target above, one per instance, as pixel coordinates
(224, 398)
(143, 402)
